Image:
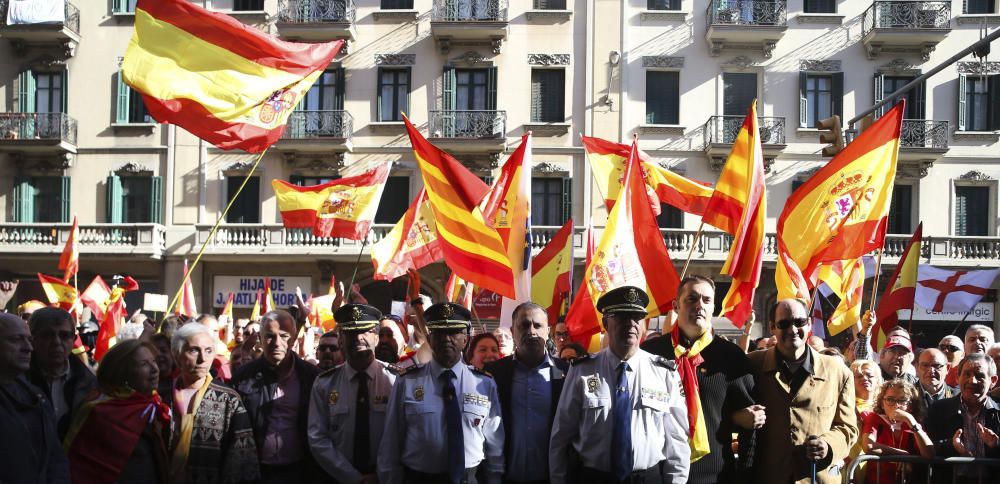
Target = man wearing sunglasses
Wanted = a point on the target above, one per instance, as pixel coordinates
(809, 397)
(328, 353)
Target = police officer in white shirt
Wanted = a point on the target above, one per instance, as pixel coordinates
(347, 407)
(443, 419)
(621, 409)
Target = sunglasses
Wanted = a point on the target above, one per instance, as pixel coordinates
(948, 348)
(787, 323)
(328, 348)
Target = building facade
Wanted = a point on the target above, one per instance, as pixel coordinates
(474, 76)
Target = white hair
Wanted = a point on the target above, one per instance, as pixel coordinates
(129, 331)
(184, 333)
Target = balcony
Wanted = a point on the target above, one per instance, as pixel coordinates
(921, 143)
(24, 31)
(97, 239)
(239, 240)
(469, 22)
(38, 133)
(316, 20)
(745, 24)
(720, 133)
(905, 27)
(468, 131)
(317, 131)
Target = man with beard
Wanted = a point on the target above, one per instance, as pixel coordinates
(328, 354)
(387, 349)
(529, 383)
(347, 409)
(622, 410)
(809, 397)
(443, 417)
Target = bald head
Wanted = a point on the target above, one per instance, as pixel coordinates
(15, 347)
(790, 328)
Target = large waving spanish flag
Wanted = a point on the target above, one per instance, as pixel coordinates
(69, 261)
(608, 160)
(552, 272)
(411, 244)
(341, 208)
(472, 249)
(225, 82)
(737, 207)
(57, 291)
(840, 212)
(900, 291)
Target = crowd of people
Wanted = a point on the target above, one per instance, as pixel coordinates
(382, 400)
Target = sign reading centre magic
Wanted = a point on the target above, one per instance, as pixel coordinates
(244, 289)
(984, 312)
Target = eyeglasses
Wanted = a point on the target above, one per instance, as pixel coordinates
(562, 334)
(897, 401)
(948, 348)
(327, 348)
(933, 367)
(797, 322)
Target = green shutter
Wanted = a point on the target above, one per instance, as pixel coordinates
(491, 89)
(567, 198)
(64, 193)
(879, 86)
(537, 95)
(448, 102)
(113, 213)
(155, 199)
(64, 79)
(122, 107)
(26, 91)
(837, 88)
(24, 200)
(803, 100)
(961, 101)
(338, 99)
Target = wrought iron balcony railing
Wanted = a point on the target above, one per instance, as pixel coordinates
(907, 15)
(469, 11)
(467, 124)
(723, 130)
(37, 126)
(70, 11)
(747, 12)
(919, 133)
(316, 11)
(319, 124)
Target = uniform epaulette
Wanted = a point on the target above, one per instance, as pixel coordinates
(582, 359)
(395, 370)
(480, 372)
(329, 371)
(668, 364)
(409, 369)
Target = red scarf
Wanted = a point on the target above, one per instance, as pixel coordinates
(688, 360)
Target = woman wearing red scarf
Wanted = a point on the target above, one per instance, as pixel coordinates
(118, 436)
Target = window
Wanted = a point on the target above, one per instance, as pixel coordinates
(130, 108)
(670, 217)
(248, 5)
(978, 102)
(308, 181)
(393, 93)
(739, 89)
(246, 207)
(820, 96)
(662, 97)
(49, 92)
(134, 199)
(980, 6)
(396, 5)
(41, 199)
(549, 4)
(469, 90)
(663, 4)
(550, 201)
(886, 85)
(395, 200)
(820, 6)
(327, 93)
(548, 95)
(972, 210)
(124, 6)
(900, 209)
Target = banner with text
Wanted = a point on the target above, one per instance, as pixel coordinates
(983, 313)
(245, 290)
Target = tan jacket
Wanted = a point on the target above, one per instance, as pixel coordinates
(823, 406)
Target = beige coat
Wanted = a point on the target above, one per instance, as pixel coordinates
(823, 406)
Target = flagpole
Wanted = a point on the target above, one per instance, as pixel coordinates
(694, 244)
(878, 269)
(350, 287)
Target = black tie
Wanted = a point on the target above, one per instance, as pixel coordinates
(362, 430)
(453, 425)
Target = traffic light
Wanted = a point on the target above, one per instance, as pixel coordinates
(833, 135)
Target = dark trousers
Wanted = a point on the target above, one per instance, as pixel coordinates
(411, 476)
(648, 476)
(280, 474)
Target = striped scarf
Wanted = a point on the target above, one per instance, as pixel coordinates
(688, 360)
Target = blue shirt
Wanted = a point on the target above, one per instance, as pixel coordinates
(530, 406)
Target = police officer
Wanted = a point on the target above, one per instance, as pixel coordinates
(621, 409)
(443, 419)
(347, 407)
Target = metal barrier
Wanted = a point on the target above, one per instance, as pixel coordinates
(928, 474)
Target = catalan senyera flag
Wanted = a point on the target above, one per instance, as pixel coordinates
(900, 291)
(255, 311)
(631, 251)
(97, 296)
(840, 213)
(341, 208)
(57, 291)
(69, 261)
(552, 272)
(847, 279)
(472, 248)
(737, 207)
(222, 80)
(187, 306)
(582, 319)
(458, 291)
(608, 160)
(411, 244)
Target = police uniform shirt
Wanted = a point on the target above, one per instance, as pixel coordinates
(332, 416)
(584, 419)
(416, 429)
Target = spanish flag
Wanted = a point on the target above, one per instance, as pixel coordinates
(114, 317)
(900, 291)
(57, 291)
(97, 296)
(321, 312)
(582, 319)
(411, 244)
(737, 207)
(222, 80)
(226, 321)
(341, 208)
(841, 212)
(255, 311)
(472, 249)
(552, 271)
(268, 304)
(607, 163)
(69, 261)
(187, 305)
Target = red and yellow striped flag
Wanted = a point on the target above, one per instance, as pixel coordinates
(847, 279)
(341, 208)
(737, 207)
(69, 261)
(268, 304)
(187, 306)
(551, 272)
(900, 291)
(840, 212)
(411, 244)
(57, 291)
(472, 249)
(220, 79)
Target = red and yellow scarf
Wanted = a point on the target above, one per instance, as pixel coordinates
(688, 360)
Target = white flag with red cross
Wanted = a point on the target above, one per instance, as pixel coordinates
(947, 291)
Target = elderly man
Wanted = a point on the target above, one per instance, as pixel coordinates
(622, 410)
(810, 404)
(529, 383)
(443, 417)
(30, 448)
(213, 440)
(978, 338)
(895, 358)
(64, 378)
(347, 408)
(275, 389)
(714, 373)
(328, 352)
(931, 369)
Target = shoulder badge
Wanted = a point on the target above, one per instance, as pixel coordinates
(582, 359)
(329, 371)
(668, 364)
(408, 369)
(395, 370)
(479, 372)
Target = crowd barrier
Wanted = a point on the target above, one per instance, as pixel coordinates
(921, 470)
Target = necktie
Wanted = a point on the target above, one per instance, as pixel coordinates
(453, 418)
(621, 429)
(362, 429)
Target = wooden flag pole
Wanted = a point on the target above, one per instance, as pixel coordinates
(357, 262)
(694, 244)
(878, 269)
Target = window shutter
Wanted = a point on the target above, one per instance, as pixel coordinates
(993, 97)
(537, 92)
(122, 108)
(961, 101)
(567, 199)
(921, 96)
(155, 199)
(448, 100)
(879, 85)
(378, 95)
(338, 99)
(491, 89)
(26, 91)
(64, 193)
(118, 6)
(24, 200)
(803, 100)
(405, 106)
(837, 93)
(64, 78)
(113, 212)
